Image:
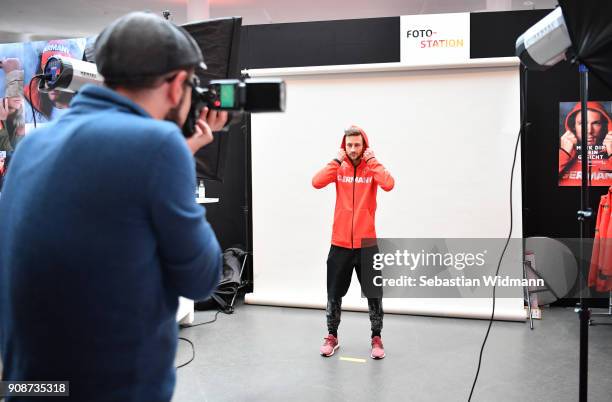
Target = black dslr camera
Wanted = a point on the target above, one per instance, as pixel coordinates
(250, 95)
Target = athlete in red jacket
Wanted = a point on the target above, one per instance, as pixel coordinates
(357, 175)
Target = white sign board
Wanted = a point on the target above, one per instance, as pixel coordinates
(435, 38)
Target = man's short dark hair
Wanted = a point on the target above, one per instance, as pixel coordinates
(352, 131)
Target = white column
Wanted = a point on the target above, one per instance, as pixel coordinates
(198, 10)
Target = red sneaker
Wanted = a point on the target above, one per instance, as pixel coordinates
(329, 346)
(378, 352)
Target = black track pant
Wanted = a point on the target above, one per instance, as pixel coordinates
(340, 264)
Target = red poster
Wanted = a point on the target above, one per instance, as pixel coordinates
(599, 136)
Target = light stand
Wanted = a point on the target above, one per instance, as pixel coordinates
(585, 213)
(583, 31)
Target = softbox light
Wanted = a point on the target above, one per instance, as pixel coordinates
(589, 24)
(219, 41)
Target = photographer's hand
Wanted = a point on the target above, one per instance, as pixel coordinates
(215, 119)
(209, 121)
(202, 135)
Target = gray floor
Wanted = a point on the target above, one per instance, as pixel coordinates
(271, 354)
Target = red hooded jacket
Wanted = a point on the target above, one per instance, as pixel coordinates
(570, 168)
(356, 188)
(600, 273)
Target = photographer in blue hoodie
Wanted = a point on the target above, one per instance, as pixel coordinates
(100, 233)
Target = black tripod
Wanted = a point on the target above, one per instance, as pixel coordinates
(246, 209)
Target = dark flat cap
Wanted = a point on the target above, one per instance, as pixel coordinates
(140, 46)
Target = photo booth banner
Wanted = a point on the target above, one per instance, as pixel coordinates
(434, 38)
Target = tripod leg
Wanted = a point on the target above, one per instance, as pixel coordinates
(526, 290)
(231, 305)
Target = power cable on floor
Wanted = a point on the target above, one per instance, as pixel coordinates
(518, 138)
(191, 343)
(192, 352)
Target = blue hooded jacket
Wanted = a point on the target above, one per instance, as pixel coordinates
(99, 235)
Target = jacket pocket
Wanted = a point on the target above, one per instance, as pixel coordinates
(364, 226)
(341, 232)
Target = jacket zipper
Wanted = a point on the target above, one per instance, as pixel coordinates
(353, 211)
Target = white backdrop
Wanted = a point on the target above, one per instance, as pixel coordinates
(447, 135)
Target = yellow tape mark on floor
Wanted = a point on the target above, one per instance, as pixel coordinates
(352, 359)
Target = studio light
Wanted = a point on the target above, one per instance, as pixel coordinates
(581, 32)
(544, 44)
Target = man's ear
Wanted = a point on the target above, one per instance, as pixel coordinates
(177, 88)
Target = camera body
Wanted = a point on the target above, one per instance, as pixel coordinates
(249, 95)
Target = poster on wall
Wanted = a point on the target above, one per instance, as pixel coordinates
(599, 137)
(2, 166)
(22, 104)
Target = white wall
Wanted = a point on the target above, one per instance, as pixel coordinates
(446, 134)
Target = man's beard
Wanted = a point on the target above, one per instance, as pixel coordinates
(173, 116)
(356, 159)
